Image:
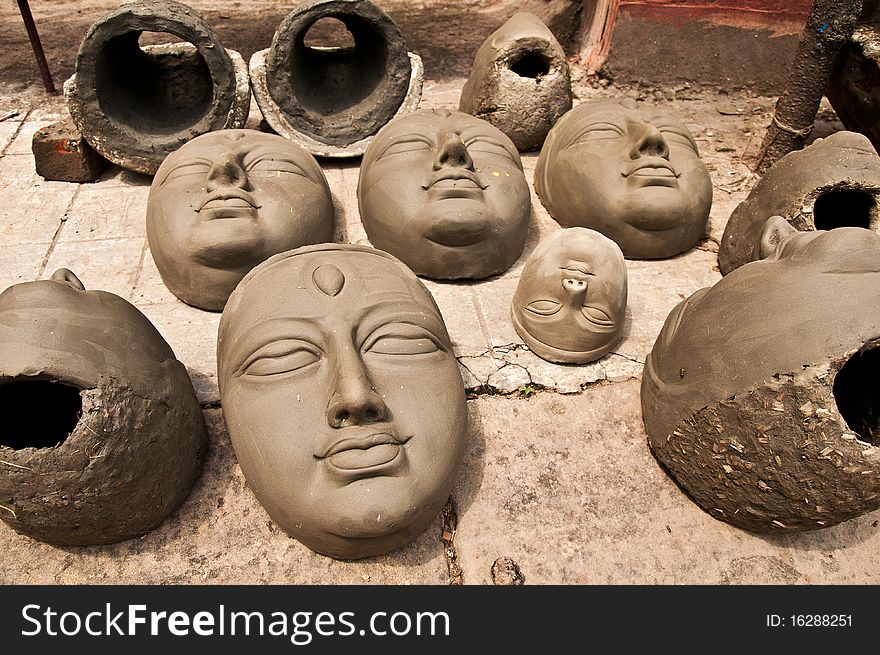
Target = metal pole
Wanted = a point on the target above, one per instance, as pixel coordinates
(28, 18)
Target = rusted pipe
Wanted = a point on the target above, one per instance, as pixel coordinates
(40, 56)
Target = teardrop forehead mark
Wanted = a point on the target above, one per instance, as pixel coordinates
(328, 279)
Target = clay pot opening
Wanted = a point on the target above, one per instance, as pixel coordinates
(328, 81)
(857, 393)
(842, 207)
(531, 64)
(37, 413)
(151, 93)
(328, 33)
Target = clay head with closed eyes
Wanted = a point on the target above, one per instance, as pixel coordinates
(570, 303)
(445, 193)
(630, 172)
(342, 396)
(228, 200)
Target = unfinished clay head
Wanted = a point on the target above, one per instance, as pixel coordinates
(102, 435)
(570, 302)
(630, 172)
(445, 192)
(834, 182)
(342, 396)
(136, 105)
(520, 81)
(761, 394)
(227, 201)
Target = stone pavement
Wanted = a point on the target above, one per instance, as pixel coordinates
(558, 475)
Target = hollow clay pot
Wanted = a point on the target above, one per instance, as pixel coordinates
(520, 81)
(338, 96)
(761, 395)
(342, 396)
(102, 435)
(136, 105)
(831, 183)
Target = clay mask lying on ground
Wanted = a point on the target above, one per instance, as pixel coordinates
(570, 302)
(629, 171)
(445, 192)
(227, 201)
(761, 394)
(342, 396)
(834, 182)
(102, 435)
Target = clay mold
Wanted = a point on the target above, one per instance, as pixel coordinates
(520, 81)
(135, 105)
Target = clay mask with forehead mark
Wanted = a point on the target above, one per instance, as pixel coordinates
(570, 302)
(227, 201)
(445, 192)
(342, 396)
(628, 171)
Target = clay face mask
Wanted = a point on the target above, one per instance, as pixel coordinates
(227, 201)
(102, 435)
(342, 397)
(445, 192)
(570, 302)
(761, 394)
(630, 172)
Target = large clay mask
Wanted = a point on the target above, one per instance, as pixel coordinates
(761, 394)
(342, 397)
(102, 435)
(445, 192)
(570, 302)
(834, 182)
(227, 201)
(628, 171)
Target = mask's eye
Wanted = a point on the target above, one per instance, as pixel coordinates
(198, 168)
(676, 137)
(544, 307)
(408, 145)
(281, 357)
(597, 316)
(487, 146)
(600, 132)
(269, 166)
(402, 339)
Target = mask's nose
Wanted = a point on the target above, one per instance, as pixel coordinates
(225, 172)
(648, 141)
(453, 153)
(576, 290)
(353, 400)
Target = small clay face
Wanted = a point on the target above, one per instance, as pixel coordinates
(227, 201)
(343, 397)
(762, 391)
(103, 435)
(630, 172)
(570, 302)
(445, 193)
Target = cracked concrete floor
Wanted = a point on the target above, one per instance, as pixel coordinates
(558, 476)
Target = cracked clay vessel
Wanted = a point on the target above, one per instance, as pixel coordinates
(761, 395)
(136, 105)
(102, 435)
(570, 302)
(445, 193)
(831, 183)
(227, 201)
(520, 81)
(628, 171)
(342, 396)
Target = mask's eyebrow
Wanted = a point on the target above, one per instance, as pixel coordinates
(410, 137)
(271, 155)
(471, 137)
(597, 124)
(664, 123)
